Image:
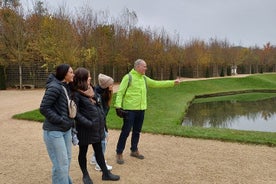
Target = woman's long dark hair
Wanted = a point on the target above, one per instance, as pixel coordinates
(80, 79)
(107, 96)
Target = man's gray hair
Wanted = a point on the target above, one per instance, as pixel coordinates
(138, 62)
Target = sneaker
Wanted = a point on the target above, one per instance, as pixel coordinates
(109, 167)
(119, 158)
(93, 160)
(136, 154)
(98, 168)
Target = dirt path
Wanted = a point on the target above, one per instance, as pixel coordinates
(23, 156)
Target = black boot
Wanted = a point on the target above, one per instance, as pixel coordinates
(109, 176)
(86, 179)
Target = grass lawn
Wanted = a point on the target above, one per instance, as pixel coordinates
(167, 107)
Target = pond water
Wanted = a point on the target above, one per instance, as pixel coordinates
(255, 116)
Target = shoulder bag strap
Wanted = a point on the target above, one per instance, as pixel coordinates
(66, 93)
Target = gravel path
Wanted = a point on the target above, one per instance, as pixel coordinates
(168, 159)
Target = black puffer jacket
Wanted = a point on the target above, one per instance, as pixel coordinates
(90, 120)
(104, 103)
(54, 106)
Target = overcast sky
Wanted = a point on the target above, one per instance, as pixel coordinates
(241, 22)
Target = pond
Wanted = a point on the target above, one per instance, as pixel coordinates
(253, 116)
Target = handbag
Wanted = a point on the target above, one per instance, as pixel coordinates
(72, 107)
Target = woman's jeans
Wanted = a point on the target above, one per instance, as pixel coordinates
(59, 147)
(134, 119)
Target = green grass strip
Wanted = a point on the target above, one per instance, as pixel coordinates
(167, 107)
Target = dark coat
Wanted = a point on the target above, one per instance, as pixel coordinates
(105, 106)
(54, 106)
(104, 103)
(90, 120)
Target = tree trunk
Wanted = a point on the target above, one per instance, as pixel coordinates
(20, 76)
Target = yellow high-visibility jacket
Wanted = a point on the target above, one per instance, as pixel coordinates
(132, 93)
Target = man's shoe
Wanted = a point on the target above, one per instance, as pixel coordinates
(137, 155)
(86, 179)
(119, 158)
(110, 176)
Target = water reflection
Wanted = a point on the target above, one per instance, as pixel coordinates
(257, 116)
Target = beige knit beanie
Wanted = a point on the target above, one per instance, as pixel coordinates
(105, 81)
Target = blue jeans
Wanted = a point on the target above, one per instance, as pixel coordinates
(59, 147)
(133, 120)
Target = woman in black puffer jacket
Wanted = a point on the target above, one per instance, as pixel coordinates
(90, 122)
(57, 125)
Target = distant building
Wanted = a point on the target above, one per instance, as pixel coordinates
(234, 70)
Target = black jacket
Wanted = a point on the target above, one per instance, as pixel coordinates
(54, 106)
(104, 103)
(100, 91)
(90, 120)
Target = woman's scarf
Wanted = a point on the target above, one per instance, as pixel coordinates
(89, 93)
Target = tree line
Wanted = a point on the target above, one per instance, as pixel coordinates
(110, 45)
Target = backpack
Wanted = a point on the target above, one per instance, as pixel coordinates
(130, 79)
